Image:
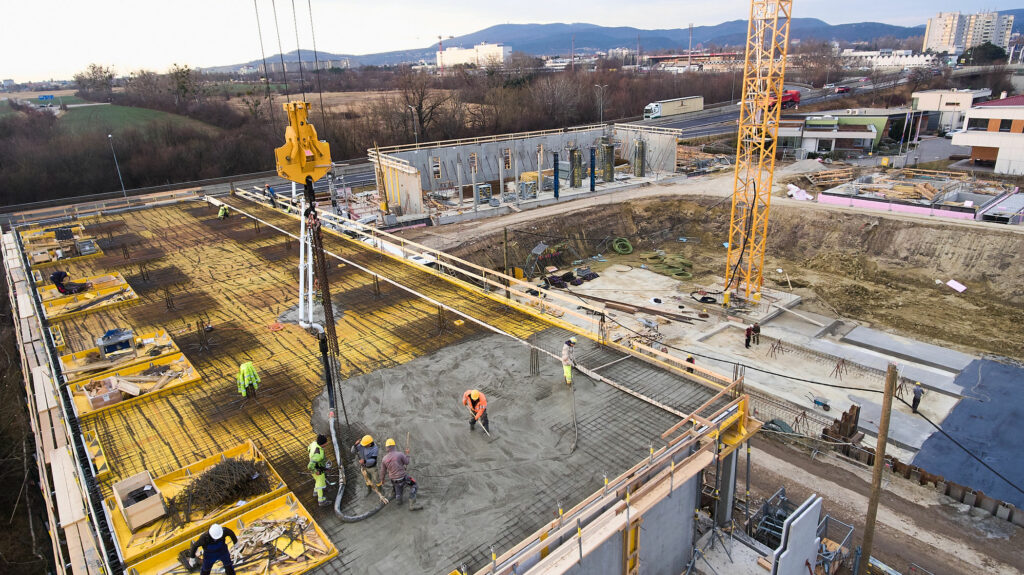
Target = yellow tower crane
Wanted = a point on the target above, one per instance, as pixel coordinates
(763, 72)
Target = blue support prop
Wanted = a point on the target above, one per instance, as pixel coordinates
(593, 169)
(541, 176)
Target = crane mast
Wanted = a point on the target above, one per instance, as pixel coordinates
(763, 73)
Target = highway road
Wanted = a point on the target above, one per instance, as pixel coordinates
(724, 122)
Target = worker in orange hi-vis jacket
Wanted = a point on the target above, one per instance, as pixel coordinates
(476, 402)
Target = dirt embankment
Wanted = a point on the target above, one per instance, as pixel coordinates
(872, 268)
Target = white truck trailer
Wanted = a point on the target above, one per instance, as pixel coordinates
(673, 107)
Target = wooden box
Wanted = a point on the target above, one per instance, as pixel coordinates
(142, 512)
(104, 395)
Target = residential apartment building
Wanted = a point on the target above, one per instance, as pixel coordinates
(481, 55)
(953, 32)
(995, 133)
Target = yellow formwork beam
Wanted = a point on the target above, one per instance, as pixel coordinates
(162, 534)
(317, 546)
(186, 374)
(75, 366)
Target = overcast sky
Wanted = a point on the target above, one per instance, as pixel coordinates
(39, 41)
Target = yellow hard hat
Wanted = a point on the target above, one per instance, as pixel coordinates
(573, 339)
(474, 395)
(917, 383)
(389, 443)
(367, 440)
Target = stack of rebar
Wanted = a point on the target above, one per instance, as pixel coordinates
(223, 484)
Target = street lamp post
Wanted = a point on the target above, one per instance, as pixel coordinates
(415, 134)
(110, 139)
(600, 90)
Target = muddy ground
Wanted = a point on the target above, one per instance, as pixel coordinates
(876, 269)
(915, 524)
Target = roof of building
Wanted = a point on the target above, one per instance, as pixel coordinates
(1011, 101)
(976, 92)
(888, 112)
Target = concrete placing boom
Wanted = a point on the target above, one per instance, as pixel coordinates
(763, 72)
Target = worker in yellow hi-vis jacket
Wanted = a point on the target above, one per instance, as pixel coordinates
(248, 379)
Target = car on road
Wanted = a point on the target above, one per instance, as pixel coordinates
(842, 89)
(828, 86)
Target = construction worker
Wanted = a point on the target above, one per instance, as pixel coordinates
(223, 212)
(270, 195)
(476, 402)
(568, 358)
(317, 467)
(749, 333)
(367, 452)
(918, 392)
(59, 280)
(690, 360)
(756, 332)
(215, 548)
(248, 378)
(394, 464)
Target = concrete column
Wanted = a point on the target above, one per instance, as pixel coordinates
(727, 489)
(458, 176)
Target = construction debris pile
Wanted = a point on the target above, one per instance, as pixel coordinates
(692, 160)
(223, 484)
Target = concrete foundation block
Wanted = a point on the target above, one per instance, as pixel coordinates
(915, 475)
(942, 487)
(1003, 512)
(1016, 516)
(970, 498)
(956, 491)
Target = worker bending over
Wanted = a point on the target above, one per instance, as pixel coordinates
(568, 358)
(476, 402)
(367, 452)
(223, 212)
(59, 280)
(248, 379)
(395, 463)
(318, 468)
(215, 548)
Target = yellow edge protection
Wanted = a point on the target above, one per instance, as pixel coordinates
(68, 306)
(99, 460)
(55, 263)
(159, 535)
(76, 360)
(282, 508)
(40, 233)
(102, 281)
(85, 409)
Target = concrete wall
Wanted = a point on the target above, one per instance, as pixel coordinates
(661, 148)
(489, 157)
(665, 543)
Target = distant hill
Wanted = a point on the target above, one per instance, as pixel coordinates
(553, 39)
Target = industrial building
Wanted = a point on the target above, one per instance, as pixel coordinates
(480, 55)
(886, 59)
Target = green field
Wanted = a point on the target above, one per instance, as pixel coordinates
(112, 118)
(5, 108)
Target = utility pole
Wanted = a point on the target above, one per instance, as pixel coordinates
(600, 89)
(876, 473)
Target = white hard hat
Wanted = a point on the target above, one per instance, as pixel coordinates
(216, 531)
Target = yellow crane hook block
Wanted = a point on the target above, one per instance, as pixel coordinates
(302, 154)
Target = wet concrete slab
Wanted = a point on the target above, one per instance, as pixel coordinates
(986, 422)
(908, 349)
(905, 430)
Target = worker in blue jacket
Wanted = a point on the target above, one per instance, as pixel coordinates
(215, 548)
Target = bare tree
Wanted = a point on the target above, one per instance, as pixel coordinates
(96, 82)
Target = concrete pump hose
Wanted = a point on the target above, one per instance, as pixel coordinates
(341, 484)
(622, 246)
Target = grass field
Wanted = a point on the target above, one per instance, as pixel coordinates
(239, 89)
(115, 118)
(5, 108)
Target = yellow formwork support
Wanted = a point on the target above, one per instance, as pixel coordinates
(160, 535)
(186, 374)
(75, 366)
(317, 546)
(100, 282)
(87, 302)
